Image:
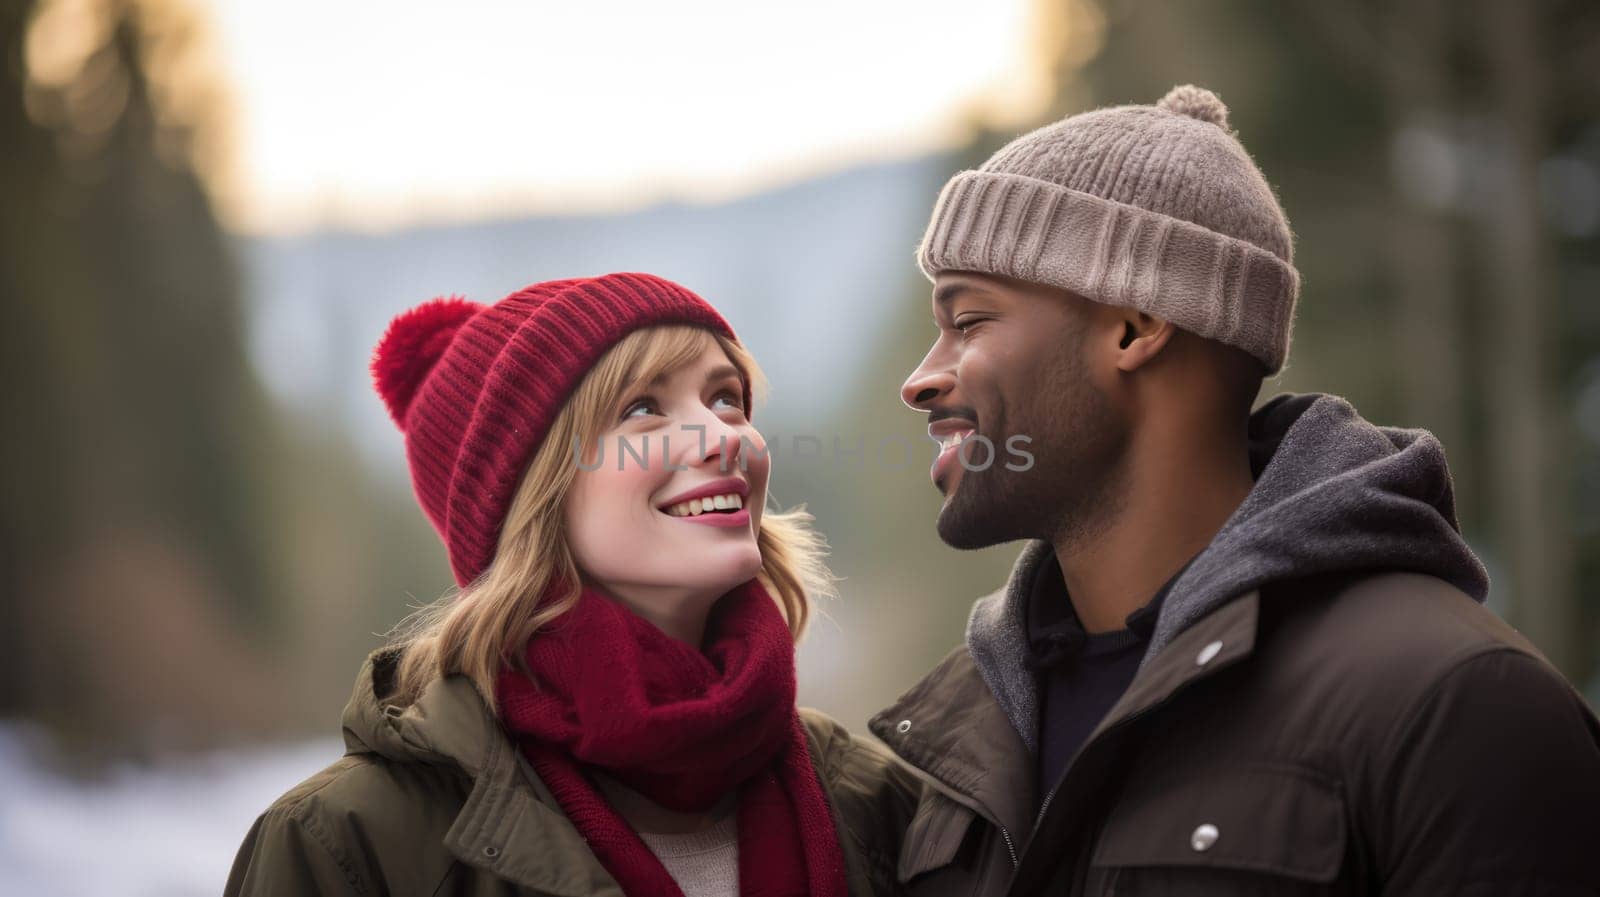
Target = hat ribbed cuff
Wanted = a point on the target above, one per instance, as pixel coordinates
(1208, 283)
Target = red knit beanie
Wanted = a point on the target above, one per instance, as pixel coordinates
(475, 387)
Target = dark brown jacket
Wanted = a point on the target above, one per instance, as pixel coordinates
(1383, 736)
(433, 799)
(1327, 708)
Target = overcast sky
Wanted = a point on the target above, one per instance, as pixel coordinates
(378, 114)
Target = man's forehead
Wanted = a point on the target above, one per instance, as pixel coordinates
(951, 285)
(948, 286)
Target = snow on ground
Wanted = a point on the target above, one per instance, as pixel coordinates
(169, 830)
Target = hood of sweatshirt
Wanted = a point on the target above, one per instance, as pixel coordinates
(1333, 493)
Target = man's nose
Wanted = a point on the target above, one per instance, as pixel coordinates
(932, 378)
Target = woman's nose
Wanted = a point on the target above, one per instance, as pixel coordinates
(724, 445)
(707, 440)
(727, 451)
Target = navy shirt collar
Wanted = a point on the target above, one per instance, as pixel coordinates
(1055, 634)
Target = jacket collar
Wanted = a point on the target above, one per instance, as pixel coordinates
(1224, 638)
(960, 736)
(950, 727)
(510, 824)
(1213, 643)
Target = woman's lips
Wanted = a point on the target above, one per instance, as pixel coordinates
(724, 486)
(740, 517)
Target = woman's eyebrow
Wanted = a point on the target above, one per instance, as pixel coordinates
(724, 370)
(716, 373)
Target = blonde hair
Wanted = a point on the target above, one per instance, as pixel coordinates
(484, 626)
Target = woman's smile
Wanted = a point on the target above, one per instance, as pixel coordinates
(718, 503)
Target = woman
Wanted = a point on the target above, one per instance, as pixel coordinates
(607, 704)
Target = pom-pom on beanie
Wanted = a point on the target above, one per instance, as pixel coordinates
(475, 387)
(1157, 208)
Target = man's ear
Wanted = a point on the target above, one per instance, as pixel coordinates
(1143, 338)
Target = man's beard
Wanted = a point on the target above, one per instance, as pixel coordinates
(1070, 490)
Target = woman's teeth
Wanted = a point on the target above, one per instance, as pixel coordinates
(954, 439)
(694, 507)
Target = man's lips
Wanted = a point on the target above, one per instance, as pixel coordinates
(950, 433)
(950, 424)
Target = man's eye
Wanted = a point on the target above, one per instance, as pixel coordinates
(640, 408)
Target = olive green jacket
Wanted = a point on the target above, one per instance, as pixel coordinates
(435, 799)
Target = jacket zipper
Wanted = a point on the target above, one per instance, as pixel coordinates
(1010, 848)
(963, 800)
(1045, 805)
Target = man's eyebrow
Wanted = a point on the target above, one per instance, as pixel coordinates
(948, 293)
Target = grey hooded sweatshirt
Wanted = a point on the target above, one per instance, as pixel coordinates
(1333, 493)
(1324, 707)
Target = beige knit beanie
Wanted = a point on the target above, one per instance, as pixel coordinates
(1157, 208)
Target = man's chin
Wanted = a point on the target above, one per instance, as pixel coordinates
(966, 522)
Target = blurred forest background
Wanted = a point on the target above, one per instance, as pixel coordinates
(206, 522)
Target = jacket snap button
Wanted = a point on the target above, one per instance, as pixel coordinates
(491, 852)
(1207, 653)
(903, 727)
(1203, 837)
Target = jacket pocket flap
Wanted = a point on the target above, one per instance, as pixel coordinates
(934, 836)
(1285, 820)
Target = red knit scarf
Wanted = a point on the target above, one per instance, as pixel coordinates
(684, 728)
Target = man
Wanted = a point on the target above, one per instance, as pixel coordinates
(1243, 653)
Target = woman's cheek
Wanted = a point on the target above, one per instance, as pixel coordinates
(623, 483)
(758, 471)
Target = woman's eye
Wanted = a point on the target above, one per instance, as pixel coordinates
(640, 408)
(729, 397)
